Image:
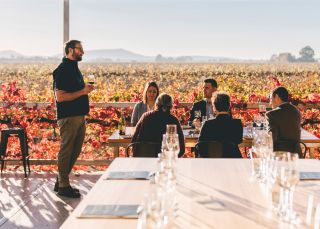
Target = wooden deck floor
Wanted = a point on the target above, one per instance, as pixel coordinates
(32, 203)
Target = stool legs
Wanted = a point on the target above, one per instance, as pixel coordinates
(3, 148)
(24, 152)
(23, 146)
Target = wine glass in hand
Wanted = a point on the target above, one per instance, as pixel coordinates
(91, 80)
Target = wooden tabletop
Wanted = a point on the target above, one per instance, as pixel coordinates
(212, 193)
(191, 140)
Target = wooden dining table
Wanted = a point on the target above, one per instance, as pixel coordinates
(211, 193)
(115, 140)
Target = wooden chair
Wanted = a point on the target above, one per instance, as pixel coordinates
(291, 146)
(144, 149)
(209, 149)
(217, 149)
(304, 148)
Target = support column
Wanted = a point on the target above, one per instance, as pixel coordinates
(65, 21)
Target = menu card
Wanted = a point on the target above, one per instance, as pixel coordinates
(309, 175)
(129, 175)
(110, 211)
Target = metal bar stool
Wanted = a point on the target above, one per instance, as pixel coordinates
(21, 133)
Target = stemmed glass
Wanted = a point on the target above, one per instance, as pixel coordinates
(173, 144)
(262, 109)
(197, 114)
(91, 79)
(197, 122)
(171, 129)
(258, 119)
(287, 178)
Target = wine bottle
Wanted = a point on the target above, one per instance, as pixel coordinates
(122, 125)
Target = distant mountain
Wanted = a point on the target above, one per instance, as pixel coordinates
(115, 55)
(10, 54)
(212, 59)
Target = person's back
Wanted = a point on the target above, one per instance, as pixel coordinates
(287, 118)
(152, 125)
(284, 122)
(224, 129)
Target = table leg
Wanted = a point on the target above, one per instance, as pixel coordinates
(116, 151)
(311, 152)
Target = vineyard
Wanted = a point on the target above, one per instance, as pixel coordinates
(246, 83)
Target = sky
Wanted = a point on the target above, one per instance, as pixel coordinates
(245, 29)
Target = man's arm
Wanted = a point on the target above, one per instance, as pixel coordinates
(63, 96)
(273, 127)
(191, 117)
(137, 130)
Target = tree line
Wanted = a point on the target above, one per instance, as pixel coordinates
(306, 56)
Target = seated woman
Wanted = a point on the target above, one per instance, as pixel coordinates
(152, 124)
(150, 94)
(223, 129)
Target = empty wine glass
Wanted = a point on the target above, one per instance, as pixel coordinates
(258, 120)
(288, 178)
(173, 143)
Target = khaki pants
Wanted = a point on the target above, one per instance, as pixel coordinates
(72, 132)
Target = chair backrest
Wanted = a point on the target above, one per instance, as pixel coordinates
(209, 149)
(303, 147)
(144, 149)
(217, 149)
(290, 146)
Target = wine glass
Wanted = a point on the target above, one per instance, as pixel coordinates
(197, 114)
(288, 178)
(171, 129)
(91, 79)
(173, 143)
(262, 109)
(258, 120)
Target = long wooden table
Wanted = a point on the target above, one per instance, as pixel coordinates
(212, 193)
(116, 141)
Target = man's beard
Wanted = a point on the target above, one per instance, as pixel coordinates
(77, 57)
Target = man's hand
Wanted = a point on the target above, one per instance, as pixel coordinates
(87, 89)
(63, 96)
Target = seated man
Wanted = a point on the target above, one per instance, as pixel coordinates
(284, 122)
(205, 105)
(152, 125)
(223, 129)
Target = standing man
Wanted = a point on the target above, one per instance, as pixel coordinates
(205, 105)
(284, 122)
(72, 105)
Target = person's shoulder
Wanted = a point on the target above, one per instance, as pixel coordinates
(237, 121)
(139, 104)
(274, 112)
(58, 68)
(209, 123)
(149, 114)
(292, 107)
(199, 103)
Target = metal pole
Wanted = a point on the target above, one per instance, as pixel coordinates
(65, 21)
